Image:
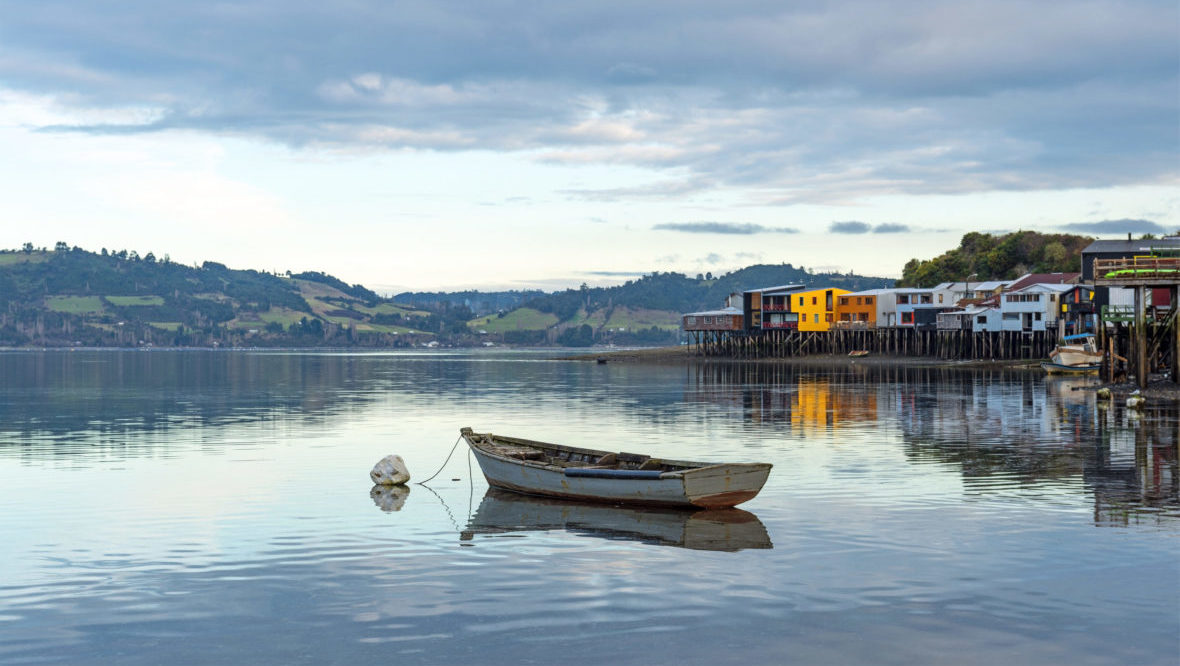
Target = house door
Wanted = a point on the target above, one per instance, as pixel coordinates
(1026, 322)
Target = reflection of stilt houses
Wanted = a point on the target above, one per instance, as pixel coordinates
(1135, 470)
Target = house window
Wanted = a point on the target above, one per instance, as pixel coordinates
(816, 318)
(981, 319)
(862, 316)
(907, 317)
(940, 298)
(800, 300)
(903, 299)
(690, 320)
(813, 301)
(828, 317)
(843, 301)
(1011, 316)
(1037, 316)
(858, 301)
(868, 300)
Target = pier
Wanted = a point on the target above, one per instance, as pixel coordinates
(1151, 343)
(940, 344)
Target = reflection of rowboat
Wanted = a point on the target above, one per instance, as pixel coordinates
(1059, 369)
(537, 468)
(709, 529)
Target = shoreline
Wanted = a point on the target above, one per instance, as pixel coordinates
(679, 355)
(1158, 389)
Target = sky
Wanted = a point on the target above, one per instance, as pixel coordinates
(445, 145)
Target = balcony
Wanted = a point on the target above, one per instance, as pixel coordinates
(1137, 271)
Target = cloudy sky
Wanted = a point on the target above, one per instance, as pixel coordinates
(502, 144)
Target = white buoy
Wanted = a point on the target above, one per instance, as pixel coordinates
(390, 471)
(1136, 401)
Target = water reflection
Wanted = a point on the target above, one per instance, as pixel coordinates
(730, 530)
(1009, 433)
(1135, 467)
(389, 498)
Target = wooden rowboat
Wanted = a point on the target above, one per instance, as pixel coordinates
(553, 470)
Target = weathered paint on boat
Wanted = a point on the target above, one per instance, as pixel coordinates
(679, 483)
(1059, 369)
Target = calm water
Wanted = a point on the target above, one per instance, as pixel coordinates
(190, 507)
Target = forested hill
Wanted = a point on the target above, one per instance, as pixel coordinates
(480, 302)
(72, 297)
(1003, 257)
(676, 292)
(68, 297)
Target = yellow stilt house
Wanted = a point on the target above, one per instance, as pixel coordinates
(816, 308)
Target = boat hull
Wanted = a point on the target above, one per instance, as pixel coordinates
(1071, 356)
(706, 486)
(1059, 369)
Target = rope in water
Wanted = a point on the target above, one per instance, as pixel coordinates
(440, 469)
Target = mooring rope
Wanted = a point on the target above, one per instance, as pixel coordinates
(440, 469)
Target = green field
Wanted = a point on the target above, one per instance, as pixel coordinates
(637, 318)
(131, 301)
(522, 319)
(165, 325)
(284, 316)
(74, 304)
(10, 258)
(389, 309)
(381, 328)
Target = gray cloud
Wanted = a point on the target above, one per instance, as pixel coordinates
(850, 227)
(1117, 227)
(743, 228)
(831, 102)
(616, 273)
(853, 227)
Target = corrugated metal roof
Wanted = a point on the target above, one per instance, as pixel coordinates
(714, 313)
(1042, 278)
(1041, 286)
(769, 290)
(1137, 246)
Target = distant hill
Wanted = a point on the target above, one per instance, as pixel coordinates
(998, 257)
(480, 302)
(646, 310)
(68, 296)
(71, 297)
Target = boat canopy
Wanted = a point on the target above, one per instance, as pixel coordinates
(1078, 336)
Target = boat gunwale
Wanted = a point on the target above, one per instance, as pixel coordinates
(689, 467)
